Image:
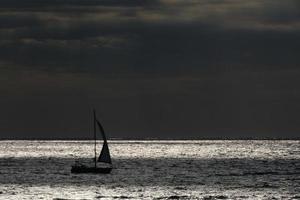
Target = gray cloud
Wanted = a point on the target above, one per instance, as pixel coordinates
(218, 32)
(152, 67)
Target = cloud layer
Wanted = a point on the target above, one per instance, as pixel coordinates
(192, 66)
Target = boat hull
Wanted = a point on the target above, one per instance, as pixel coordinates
(91, 170)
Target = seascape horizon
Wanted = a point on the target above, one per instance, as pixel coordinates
(149, 99)
(162, 169)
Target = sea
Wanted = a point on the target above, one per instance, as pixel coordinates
(152, 169)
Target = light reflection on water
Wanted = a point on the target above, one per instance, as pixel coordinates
(152, 169)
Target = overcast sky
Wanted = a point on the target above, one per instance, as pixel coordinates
(151, 68)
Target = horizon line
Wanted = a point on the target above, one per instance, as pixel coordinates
(154, 139)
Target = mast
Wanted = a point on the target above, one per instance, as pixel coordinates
(95, 137)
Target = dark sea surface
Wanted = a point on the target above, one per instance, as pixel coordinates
(193, 169)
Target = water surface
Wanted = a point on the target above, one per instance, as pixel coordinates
(153, 170)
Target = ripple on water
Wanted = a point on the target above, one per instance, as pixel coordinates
(148, 170)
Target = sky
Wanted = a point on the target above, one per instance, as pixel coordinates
(167, 69)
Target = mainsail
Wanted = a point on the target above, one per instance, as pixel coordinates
(104, 155)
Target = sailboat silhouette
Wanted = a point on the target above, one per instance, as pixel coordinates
(104, 156)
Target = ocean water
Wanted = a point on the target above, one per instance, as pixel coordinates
(153, 170)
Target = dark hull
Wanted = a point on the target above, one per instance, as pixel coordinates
(93, 170)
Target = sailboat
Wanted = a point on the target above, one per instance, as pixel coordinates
(104, 158)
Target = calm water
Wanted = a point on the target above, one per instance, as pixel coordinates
(153, 170)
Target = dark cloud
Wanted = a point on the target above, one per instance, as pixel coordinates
(154, 68)
(38, 5)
